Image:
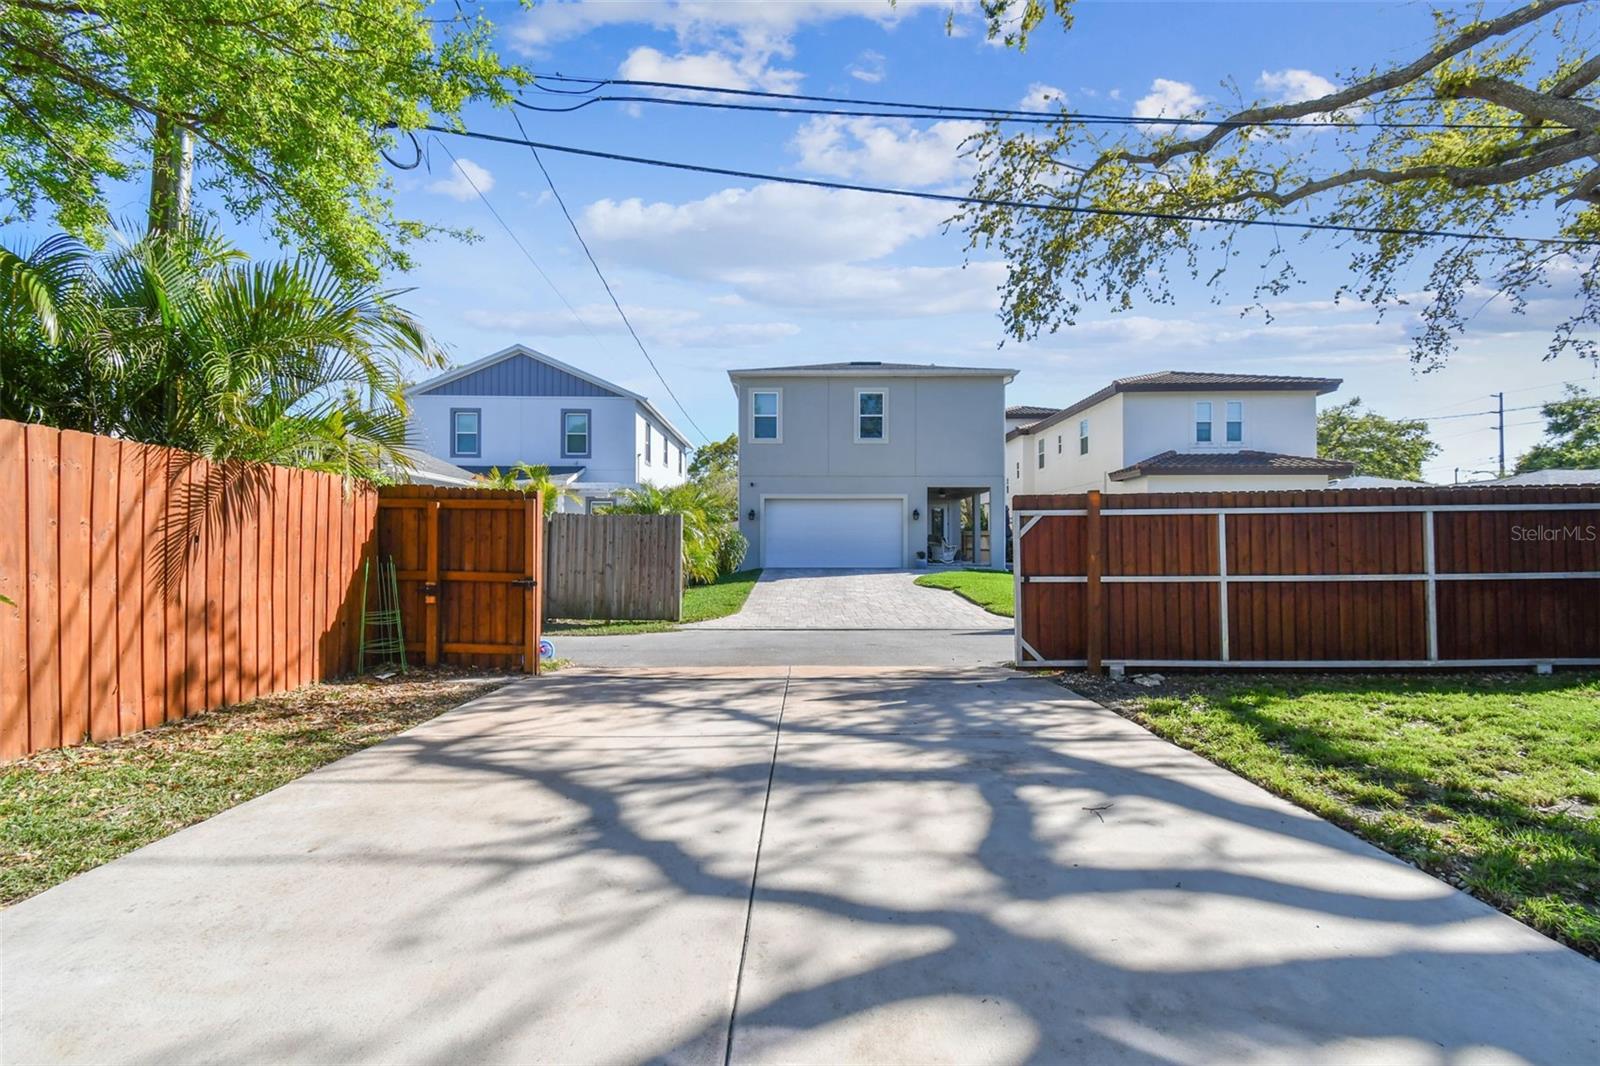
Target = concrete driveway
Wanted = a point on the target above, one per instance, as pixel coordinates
(853, 599)
(778, 865)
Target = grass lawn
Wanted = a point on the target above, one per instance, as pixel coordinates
(701, 603)
(64, 812)
(993, 590)
(1491, 782)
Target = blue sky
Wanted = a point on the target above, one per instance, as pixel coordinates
(718, 273)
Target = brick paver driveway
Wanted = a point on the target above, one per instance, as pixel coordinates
(853, 599)
(778, 865)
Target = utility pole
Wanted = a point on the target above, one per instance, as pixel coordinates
(1501, 426)
(171, 176)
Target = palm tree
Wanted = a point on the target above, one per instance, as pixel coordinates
(177, 340)
(528, 478)
(712, 543)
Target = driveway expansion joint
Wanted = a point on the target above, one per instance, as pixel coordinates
(755, 871)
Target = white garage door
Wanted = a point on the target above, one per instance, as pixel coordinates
(834, 533)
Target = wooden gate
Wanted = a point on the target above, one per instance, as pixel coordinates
(468, 562)
(1349, 578)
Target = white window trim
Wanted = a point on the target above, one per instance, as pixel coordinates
(857, 416)
(1041, 453)
(751, 425)
(1083, 436)
(1242, 435)
(1194, 424)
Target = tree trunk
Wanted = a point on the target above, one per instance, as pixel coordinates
(171, 176)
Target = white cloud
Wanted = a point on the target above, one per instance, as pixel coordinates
(749, 70)
(1042, 97)
(767, 226)
(868, 67)
(796, 248)
(670, 327)
(463, 175)
(851, 290)
(889, 150)
(1292, 86)
(1167, 99)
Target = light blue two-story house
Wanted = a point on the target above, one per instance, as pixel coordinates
(523, 406)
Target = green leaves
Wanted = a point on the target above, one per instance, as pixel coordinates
(178, 340)
(712, 543)
(1572, 435)
(291, 106)
(1378, 446)
(1485, 134)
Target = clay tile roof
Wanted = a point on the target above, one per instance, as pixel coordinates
(1196, 463)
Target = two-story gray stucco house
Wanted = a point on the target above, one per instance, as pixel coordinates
(523, 406)
(864, 464)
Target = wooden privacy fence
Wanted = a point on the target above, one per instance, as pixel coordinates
(1366, 577)
(468, 562)
(150, 584)
(615, 566)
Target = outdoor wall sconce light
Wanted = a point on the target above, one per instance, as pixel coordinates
(916, 515)
(751, 514)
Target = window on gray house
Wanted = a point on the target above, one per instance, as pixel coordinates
(1202, 422)
(1083, 436)
(1041, 453)
(465, 432)
(765, 411)
(869, 415)
(575, 434)
(1235, 427)
(649, 435)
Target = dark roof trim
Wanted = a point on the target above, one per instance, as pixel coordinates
(1201, 464)
(1186, 381)
(871, 368)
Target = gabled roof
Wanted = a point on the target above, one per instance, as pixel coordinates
(1199, 463)
(873, 368)
(1023, 410)
(425, 469)
(522, 350)
(1186, 381)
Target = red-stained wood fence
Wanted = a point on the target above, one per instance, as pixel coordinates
(1350, 578)
(469, 563)
(149, 584)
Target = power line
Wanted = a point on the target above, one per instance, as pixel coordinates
(955, 198)
(995, 114)
(517, 241)
(601, 275)
(964, 114)
(1470, 414)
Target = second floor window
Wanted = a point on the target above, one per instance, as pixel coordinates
(869, 415)
(680, 458)
(465, 438)
(765, 412)
(1202, 422)
(1235, 427)
(574, 433)
(1083, 437)
(649, 448)
(1041, 453)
